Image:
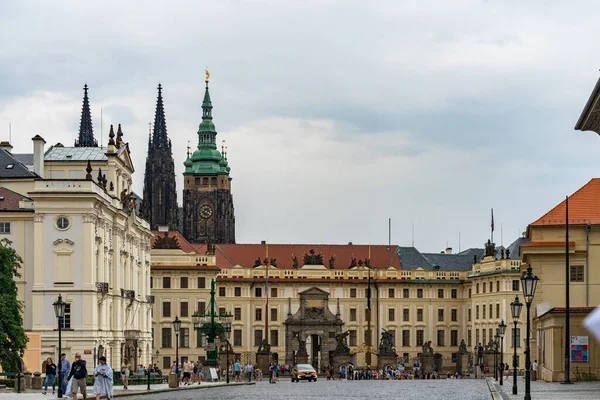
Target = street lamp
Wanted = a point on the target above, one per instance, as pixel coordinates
(501, 332)
(207, 323)
(528, 283)
(59, 311)
(226, 322)
(515, 310)
(496, 340)
(177, 327)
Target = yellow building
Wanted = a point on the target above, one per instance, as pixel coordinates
(546, 255)
(418, 297)
(70, 214)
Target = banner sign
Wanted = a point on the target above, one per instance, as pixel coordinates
(579, 349)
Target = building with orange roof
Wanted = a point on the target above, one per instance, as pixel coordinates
(417, 297)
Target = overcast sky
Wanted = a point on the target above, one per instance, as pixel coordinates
(337, 114)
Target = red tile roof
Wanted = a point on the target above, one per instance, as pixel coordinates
(584, 208)
(183, 243)
(9, 200)
(229, 255)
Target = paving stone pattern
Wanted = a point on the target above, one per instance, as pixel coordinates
(443, 389)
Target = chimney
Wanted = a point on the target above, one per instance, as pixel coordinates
(4, 145)
(448, 250)
(38, 155)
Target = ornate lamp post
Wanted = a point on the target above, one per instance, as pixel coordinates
(177, 327)
(496, 340)
(226, 318)
(59, 311)
(501, 331)
(528, 283)
(208, 324)
(515, 310)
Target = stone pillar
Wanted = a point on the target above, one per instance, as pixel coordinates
(263, 360)
(339, 360)
(387, 359)
(427, 363)
(27, 377)
(462, 363)
(36, 381)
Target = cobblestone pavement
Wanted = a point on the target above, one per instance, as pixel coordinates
(550, 390)
(37, 395)
(443, 389)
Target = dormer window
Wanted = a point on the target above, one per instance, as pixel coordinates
(10, 166)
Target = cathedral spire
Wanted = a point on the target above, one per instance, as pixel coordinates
(86, 131)
(159, 135)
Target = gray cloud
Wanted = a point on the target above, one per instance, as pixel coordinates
(337, 115)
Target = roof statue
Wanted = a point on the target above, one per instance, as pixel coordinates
(312, 258)
(490, 249)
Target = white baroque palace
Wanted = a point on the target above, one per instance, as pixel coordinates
(70, 214)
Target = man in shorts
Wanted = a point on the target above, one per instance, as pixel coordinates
(237, 369)
(187, 371)
(79, 374)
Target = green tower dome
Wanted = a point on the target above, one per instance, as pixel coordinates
(206, 159)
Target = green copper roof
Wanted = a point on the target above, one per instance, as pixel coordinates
(206, 160)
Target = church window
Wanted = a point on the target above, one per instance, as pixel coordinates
(197, 181)
(213, 181)
(160, 196)
(204, 181)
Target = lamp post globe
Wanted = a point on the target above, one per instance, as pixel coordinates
(177, 328)
(59, 311)
(528, 283)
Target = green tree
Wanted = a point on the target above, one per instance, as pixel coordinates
(13, 340)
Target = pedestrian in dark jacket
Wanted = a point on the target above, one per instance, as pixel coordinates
(79, 374)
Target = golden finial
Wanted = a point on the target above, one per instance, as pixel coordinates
(207, 75)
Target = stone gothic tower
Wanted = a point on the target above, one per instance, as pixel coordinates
(86, 131)
(159, 205)
(208, 213)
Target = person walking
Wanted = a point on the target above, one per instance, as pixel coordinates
(78, 373)
(125, 367)
(103, 379)
(50, 375)
(65, 367)
(249, 370)
(237, 369)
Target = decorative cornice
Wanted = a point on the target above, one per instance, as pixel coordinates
(38, 217)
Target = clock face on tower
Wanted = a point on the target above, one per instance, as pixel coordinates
(206, 211)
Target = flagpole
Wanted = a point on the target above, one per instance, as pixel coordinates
(267, 297)
(567, 378)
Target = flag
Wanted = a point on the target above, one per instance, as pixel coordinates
(492, 220)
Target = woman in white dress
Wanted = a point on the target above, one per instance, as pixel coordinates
(103, 379)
